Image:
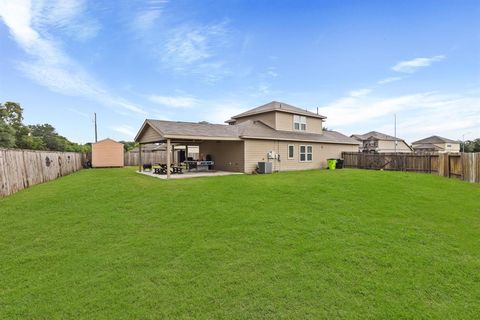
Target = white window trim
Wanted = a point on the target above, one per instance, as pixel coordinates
(288, 152)
(306, 153)
(299, 122)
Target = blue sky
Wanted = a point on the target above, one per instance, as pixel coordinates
(359, 62)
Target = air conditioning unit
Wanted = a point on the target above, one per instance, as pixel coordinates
(265, 167)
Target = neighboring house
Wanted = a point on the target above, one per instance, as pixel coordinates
(289, 137)
(107, 153)
(436, 144)
(377, 142)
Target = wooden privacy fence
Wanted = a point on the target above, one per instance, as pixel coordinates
(464, 166)
(133, 158)
(20, 169)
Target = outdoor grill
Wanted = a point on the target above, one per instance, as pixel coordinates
(200, 165)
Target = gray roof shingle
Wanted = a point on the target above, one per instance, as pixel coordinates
(252, 129)
(278, 106)
(375, 135)
(193, 128)
(435, 139)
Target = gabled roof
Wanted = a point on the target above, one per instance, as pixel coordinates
(252, 129)
(435, 139)
(107, 139)
(277, 106)
(375, 135)
(171, 128)
(428, 146)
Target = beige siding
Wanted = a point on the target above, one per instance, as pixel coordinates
(107, 153)
(268, 118)
(284, 121)
(385, 146)
(450, 147)
(148, 135)
(257, 150)
(314, 125)
(227, 155)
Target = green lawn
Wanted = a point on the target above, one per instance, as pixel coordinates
(301, 245)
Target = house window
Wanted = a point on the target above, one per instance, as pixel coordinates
(449, 145)
(299, 123)
(306, 153)
(291, 151)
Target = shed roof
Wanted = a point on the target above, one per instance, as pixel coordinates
(435, 139)
(107, 140)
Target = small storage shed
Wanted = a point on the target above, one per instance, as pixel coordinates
(107, 153)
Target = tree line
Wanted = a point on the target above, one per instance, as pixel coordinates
(15, 134)
(471, 145)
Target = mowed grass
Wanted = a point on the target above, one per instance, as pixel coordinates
(112, 244)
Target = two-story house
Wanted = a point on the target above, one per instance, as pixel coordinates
(436, 144)
(291, 138)
(377, 142)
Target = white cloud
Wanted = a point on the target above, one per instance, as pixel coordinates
(48, 64)
(174, 102)
(272, 72)
(80, 113)
(149, 13)
(144, 20)
(193, 49)
(127, 131)
(419, 114)
(388, 80)
(360, 92)
(410, 66)
(68, 16)
(222, 111)
(189, 44)
(351, 110)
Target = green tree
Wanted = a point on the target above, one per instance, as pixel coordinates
(7, 135)
(49, 136)
(129, 145)
(14, 134)
(12, 114)
(471, 145)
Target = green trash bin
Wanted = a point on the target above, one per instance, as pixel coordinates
(332, 163)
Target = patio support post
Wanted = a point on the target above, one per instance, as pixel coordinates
(169, 158)
(140, 164)
(186, 152)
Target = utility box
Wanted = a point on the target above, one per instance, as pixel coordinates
(265, 167)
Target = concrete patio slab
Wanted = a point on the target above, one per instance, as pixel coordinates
(192, 174)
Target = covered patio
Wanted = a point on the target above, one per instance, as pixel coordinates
(220, 150)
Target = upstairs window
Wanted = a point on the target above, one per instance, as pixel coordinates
(299, 123)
